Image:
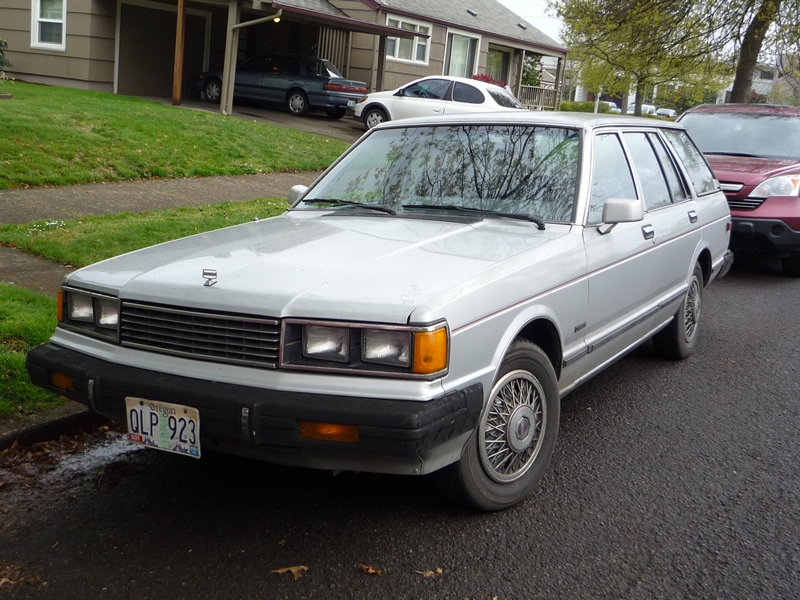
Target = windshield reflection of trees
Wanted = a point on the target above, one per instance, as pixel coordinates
(519, 169)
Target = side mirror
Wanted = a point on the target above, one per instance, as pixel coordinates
(296, 192)
(622, 210)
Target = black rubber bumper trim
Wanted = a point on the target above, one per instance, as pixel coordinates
(386, 427)
(760, 235)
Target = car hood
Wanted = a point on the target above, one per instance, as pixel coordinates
(307, 265)
(750, 170)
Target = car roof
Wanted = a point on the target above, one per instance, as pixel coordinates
(532, 117)
(476, 82)
(769, 109)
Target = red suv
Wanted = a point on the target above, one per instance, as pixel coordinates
(754, 151)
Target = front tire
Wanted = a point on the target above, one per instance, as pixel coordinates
(678, 340)
(509, 450)
(212, 91)
(374, 116)
(297, 103)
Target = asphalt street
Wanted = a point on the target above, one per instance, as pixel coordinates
(670, 480)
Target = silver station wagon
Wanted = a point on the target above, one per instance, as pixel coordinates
(422, 308)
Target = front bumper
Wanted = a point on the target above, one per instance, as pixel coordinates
(396, 436)
(763, 235)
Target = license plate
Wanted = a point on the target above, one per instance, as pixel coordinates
(351, 103)
(165, 426)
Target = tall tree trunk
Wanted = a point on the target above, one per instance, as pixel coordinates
(751, 48)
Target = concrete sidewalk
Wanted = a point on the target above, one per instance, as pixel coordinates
(23, 206)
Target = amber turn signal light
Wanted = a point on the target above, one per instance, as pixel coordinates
(430, 351)
(329, 432)
(61, 381)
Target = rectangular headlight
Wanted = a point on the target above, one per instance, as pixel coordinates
(81, 307)
(107, 311)
(326, 343)
(386, 347)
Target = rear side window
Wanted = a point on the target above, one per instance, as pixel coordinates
(503, 98)
(673, 178)
(654, 186)
(700, 174)
(463, 92)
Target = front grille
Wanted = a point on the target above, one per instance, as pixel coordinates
(203, 335)
(745, 203)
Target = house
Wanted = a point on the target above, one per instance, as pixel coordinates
(156, 48)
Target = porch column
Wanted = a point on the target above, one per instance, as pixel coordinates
(177, 68)
(231, 51)
(559, 82)
(381, 62)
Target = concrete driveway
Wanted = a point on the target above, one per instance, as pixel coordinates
(346, 129)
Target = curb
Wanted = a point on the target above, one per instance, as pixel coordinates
(49, 430)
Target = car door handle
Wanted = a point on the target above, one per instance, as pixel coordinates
(648, 232)
(692, 216)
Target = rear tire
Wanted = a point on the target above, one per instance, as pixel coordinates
(297, 103)
(510, 448)
(678, 340)
(790, 265)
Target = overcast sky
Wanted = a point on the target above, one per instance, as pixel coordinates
(535, 13)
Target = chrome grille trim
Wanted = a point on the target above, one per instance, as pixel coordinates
(745, 203)
(217, 337)
(731, 187)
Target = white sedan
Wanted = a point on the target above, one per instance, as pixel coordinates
(433, 96)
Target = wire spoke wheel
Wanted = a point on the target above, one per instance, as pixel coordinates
(691, 313)
(513, 425)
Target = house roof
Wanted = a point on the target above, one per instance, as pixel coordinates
(492, 18)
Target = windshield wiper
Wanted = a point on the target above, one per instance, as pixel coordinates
(483, 211)
(337, 202)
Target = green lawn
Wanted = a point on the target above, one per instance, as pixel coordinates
(27, 319)
(54, 136)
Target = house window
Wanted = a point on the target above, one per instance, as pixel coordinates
(462, 50)
(767, 75)
(497, 62)
(48, 24)
(413, 50)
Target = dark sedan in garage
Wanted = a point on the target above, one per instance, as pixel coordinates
(301, 83)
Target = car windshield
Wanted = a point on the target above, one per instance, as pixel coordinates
(506, 168)
(766, 135)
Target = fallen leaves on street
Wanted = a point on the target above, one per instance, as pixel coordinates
(25, 464)
(15, 575)
(370, 570)
(296, 571)
(437, 572)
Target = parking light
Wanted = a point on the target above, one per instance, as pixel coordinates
(430, 351)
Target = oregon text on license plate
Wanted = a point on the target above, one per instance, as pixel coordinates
(170, 427)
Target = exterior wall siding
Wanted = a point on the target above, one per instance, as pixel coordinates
(88, 60)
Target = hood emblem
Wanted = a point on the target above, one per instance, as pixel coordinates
(210, 275)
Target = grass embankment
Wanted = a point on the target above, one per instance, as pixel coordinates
(58, 136)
